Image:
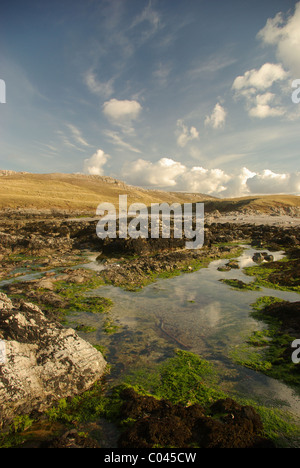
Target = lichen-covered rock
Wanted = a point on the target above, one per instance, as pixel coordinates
(41, 361)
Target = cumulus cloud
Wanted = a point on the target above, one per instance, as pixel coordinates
(162, 173)
(260, 79)
(254, 86)
(169, 174)
(217, 118)
(208, 181)
(94, 164)
(262, 108)
(121, 112)
(285, 35)
(185, 134)
(271, 182)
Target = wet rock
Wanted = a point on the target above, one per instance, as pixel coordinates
(226, 424)
(233, 264)
(43, 360)
(258, 257)
(224, 268)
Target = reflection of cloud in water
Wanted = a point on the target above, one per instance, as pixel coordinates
(211, 313)
(246, 261)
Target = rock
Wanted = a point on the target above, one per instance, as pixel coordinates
(44, 283)
(44, 361)
(227, 424)
(224, 268)
(258, 257)
(233, 264)
(71, 439)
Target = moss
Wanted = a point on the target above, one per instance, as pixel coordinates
(189, 265)
(109, 326)
(282, 274)
(269, 350)
(12, 437)
(237, 284)
(85, 328)
(82, 408)
(185, 378)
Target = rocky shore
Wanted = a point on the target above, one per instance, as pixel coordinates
(44, 361)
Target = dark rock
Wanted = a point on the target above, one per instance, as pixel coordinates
(160, 423)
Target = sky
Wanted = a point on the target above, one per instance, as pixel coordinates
(180, 95)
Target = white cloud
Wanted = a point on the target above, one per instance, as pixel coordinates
(217, 118)
(169, 174)
(162, 173)
(262, 108)
(185, 134)
(237, 184)
(94, 165)
(285, 35)
(271, 182)
(208, 181)
(77, 135)
(260, 79)
(96, 87)
(151, 21)
(122, 112)
(254, 85)
(118, 141)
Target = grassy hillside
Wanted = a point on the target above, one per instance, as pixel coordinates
(77, 192)
(261, 203)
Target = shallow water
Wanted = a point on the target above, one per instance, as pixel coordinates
(193, 311)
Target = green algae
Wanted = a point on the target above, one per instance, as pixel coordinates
(268, 350)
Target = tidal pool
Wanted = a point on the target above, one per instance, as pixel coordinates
(197, 312)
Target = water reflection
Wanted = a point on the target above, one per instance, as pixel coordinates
(194, 311)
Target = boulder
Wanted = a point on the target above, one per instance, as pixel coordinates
(40, 361)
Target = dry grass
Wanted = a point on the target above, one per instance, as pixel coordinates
(262, 203)
(75, 192)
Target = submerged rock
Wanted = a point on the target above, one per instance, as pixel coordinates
(40, 360)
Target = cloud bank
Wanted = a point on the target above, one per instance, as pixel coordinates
(169, 174)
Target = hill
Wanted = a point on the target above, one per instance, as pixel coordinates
(264, 204)
(77, 192)
(82, 193)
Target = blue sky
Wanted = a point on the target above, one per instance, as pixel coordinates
(190, 95)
